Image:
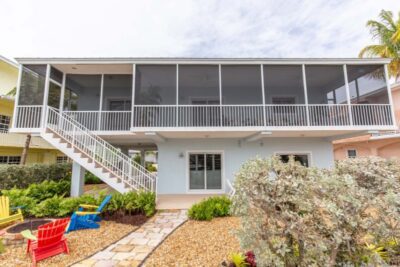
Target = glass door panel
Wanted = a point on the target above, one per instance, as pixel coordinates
(197, 174)
(213, 172)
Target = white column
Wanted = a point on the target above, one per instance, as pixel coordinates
(16, 101)
(177, 96)
(46, 95)
(220, 94)
(101, 102)
(346, 80)
(389, 90)
(263, 94)
(133, 92)
(305, 93)
(77, 180)
(62, 92)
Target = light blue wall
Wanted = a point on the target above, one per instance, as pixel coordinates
(172, 169)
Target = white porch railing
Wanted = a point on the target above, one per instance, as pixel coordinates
(99, 150)
(189, 116)
(28, 116)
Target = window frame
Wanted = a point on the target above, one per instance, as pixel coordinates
(187, 166)
(351, 149)
(8, 160)
(4, 126)
(290, 153)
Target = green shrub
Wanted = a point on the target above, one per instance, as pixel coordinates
(297, 216)
(47, 199)
(210, 208)
(90, 178)
(23, 176)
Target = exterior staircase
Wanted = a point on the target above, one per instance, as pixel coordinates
(95, 154)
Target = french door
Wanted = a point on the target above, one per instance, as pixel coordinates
(205, 171)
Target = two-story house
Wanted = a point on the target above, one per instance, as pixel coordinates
(205, 117)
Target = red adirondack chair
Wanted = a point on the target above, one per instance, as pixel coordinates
(49, 241)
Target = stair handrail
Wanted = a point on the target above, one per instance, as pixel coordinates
(107, 147)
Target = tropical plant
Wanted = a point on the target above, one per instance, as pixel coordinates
(387, 32)
(238, 260)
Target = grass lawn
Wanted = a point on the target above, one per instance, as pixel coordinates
(198, 243)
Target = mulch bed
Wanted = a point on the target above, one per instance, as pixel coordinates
(198, 243)
(137, 220)
(82, 244)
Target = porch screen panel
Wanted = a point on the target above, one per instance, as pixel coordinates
(368, 93)
(283, 84)
(198, 85)
(284, 95)
(155, 85)
(117, 98)
(82, 93)
(326, 85)
(31, 91)
(367, 84)
(86, 91)
(54, 95)
(241, 84)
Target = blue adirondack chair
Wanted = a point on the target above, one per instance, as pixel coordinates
(82, 219)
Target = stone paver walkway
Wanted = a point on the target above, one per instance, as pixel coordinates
(135, 247)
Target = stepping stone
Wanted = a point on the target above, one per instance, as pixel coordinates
(120, 256)
(123, 248)
(103, 255)
(139, 241)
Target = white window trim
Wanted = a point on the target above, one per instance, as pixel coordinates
(205, 191)
(308, 153)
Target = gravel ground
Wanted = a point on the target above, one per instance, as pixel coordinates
(81, 244)
(198, 243)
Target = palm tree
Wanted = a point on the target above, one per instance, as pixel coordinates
(387, 32)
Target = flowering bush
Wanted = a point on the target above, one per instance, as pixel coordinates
(297, 216)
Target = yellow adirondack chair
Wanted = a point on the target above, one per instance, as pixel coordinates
(5, 216)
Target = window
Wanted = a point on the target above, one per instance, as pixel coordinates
(205, 171)
(14, 160)
(302, 158)
(62, 159)
(351, 153)
(4, 123)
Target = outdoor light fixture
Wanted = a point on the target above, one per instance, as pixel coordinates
(181, 155)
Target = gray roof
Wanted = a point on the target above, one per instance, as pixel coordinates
(119, 60)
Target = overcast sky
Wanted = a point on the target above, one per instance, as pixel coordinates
(169, 28)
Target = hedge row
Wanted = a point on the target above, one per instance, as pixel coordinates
(22, 176)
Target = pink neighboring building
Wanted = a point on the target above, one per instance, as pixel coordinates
(386, 145)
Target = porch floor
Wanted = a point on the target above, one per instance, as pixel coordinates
(184, 201)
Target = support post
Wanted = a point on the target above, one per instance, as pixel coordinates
(77, 180)
(46, 95)
(303, 68)
(389, 90)
(346, 80)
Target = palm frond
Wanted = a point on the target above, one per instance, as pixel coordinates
(373, 50)
(387, 18)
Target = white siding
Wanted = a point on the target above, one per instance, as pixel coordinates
(173, 168)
